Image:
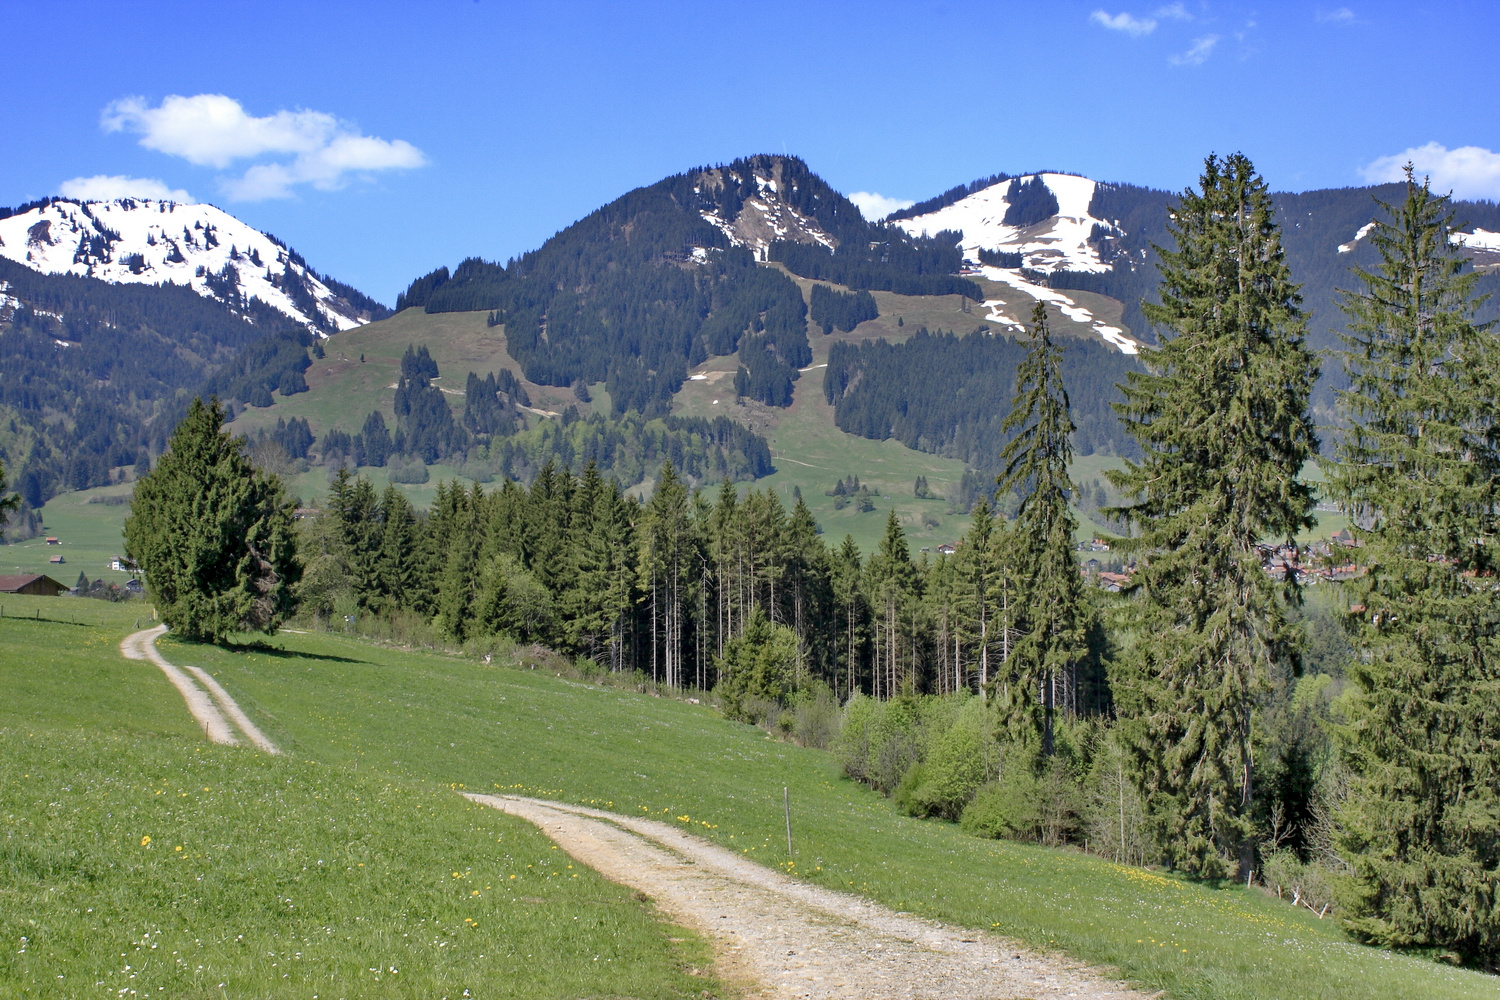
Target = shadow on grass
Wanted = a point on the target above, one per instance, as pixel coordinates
(48, 621)
(266, 649)
(263, 648)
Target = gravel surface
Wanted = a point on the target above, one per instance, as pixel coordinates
(200, 700)
(777, 937)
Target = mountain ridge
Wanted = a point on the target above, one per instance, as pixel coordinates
(151, 241)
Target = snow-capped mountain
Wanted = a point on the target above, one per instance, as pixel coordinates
(1065, 238)
(162, 242)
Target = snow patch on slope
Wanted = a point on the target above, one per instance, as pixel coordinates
(1069, 307)
(149, 242)
(1363, 232)
(763, 218)
(1479, 239)
(1056, 244)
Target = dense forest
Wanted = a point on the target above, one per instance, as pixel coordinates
(833, 310)
(106, 359)
(949, 395)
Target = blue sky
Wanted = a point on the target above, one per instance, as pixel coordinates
(384, 139)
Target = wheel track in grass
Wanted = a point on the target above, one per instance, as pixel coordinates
(782, 938)
(210, 705)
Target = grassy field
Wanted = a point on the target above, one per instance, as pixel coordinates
(343, 389)
(138, 860)
(88, 533)
(453, 723)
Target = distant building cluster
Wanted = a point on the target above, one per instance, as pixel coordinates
(1329, 560)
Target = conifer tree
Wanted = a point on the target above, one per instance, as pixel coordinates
(7, 503)
(850, 611)
(1054, 628)
(666, 566)
(399, 539)
(212, 535)
(893, 583)
(1222, 418)
(1418, 472)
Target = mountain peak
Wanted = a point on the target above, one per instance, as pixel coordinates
(148, 241)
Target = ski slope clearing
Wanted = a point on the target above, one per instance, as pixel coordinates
(791, 939)
(1069, 307)
(135, 241)
(1056, 244)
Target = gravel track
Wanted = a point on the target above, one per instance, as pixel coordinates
(778, 937)
(200, 700)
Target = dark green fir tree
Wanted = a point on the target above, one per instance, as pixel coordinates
(1222, 419)
(213, 536)
(1418, 471)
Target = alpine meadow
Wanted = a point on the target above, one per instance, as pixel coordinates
(737, 580)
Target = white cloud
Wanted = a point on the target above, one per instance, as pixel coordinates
(1124, 22)
(1198, 53)
(877, 206)
(1342, 15)
(1469, 171)
(1173, 12)
(104, 187)
(214, 130)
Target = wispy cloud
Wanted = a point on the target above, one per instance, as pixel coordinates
(105, 187)
(1124, 22)
(1469, 171)
(1340, 15)
(877, 206)
(214, 130)
(1173, 12)
(1198, 53)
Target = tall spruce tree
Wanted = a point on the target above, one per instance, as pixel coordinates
(1054, 625)
(1222, 419)
(1418, 471)
(212, 535)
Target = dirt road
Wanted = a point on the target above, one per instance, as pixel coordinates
(783, 938)
(200, 700)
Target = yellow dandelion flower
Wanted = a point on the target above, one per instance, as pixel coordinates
(146, 840)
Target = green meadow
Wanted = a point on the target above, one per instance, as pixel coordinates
(138, 860)
(447, 722)
(352, 855)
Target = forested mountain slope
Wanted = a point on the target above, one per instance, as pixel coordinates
(1053, 231)
(111, 311)
(665, 277)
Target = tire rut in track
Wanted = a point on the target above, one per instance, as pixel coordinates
(210, 705)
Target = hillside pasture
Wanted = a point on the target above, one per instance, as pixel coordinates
(459, 724)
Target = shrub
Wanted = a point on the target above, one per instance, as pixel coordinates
(411, 471)
(757, 667)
